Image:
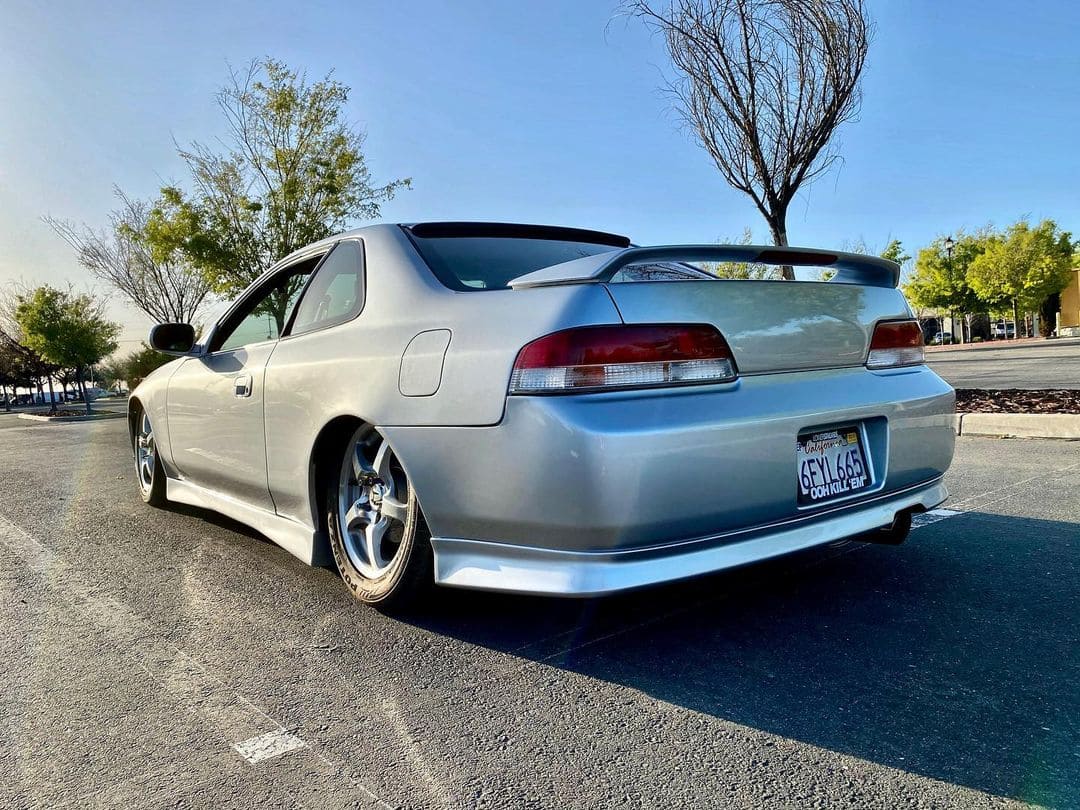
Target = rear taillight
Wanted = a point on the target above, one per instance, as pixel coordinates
(896, 343)
(626, 356)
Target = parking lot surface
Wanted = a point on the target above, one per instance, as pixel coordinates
(1045, 364)
(174, 658)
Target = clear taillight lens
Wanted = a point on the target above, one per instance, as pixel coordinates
(626, 356)
(895, 344)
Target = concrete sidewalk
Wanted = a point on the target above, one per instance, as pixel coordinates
(1019, 425)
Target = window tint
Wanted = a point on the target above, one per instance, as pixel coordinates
(336, 293)
(264, 313)
(490, 263)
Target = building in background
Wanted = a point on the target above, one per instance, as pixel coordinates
(1069, 318)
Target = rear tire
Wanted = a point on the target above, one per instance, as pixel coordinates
(148, 470)
(378, 535)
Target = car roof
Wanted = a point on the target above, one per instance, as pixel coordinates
(448, 229)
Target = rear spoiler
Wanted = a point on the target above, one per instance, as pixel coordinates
(851, 268)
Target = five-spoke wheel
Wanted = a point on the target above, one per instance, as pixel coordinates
(377, 532)
(147, 464)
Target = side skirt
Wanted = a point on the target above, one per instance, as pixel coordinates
(297, 539)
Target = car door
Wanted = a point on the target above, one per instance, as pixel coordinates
(215, 402)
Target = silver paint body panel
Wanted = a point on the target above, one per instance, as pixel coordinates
(563, 475)
(622, 471)
(503, 567)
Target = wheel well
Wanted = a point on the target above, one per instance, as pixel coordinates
(134, 408)
(325, 456)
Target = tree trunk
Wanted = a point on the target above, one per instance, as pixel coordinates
(82, 388)
(52, 396)
(778, 229)
(1016, 321)
(7, 399)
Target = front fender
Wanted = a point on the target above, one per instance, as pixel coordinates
(151, 395)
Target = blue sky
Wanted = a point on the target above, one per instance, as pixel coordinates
(541, 112)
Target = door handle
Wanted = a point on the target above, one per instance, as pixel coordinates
(243, 385)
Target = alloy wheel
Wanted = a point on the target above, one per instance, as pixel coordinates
(145, 453)
(373, 504)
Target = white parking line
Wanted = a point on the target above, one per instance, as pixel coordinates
(933, 516)
(269, 745)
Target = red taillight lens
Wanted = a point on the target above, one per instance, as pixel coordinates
(896, 343)
(626, 356)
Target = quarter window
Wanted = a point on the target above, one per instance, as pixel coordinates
(336, 293)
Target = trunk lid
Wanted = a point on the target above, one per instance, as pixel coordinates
(771, 326)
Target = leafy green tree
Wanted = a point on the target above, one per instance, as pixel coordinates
(17, 368)
(1022, 266)
(35, 368)
(134, 368)
(66, 329)
(895, 252)
(292, 172)
(940, 281)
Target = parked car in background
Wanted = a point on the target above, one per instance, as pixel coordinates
(1003, 330)
(941, 338)
(547, 410)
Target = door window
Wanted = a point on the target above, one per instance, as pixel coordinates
(336, 293)
(262, 315)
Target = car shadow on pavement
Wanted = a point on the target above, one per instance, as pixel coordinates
(954, 656)
(217, 519)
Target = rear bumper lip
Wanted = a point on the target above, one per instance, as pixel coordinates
(487, 565)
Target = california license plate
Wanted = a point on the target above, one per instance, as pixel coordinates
(831, 464)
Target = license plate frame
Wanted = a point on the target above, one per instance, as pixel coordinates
(828, 461)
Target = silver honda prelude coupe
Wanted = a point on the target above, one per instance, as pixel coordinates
(547, 410)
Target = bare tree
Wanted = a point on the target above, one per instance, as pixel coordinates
(162, 282)
(764, 84)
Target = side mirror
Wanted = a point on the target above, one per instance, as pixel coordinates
(173, 338)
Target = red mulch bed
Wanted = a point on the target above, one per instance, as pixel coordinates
(981, 400)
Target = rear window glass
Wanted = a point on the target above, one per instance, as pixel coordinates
(490, 263)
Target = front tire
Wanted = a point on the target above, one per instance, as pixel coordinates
(380, 541)
(148, 470)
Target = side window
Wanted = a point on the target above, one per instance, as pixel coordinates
(336, 293)
(263, 314)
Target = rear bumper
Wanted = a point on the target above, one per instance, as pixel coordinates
(522, 569)
(602, 473)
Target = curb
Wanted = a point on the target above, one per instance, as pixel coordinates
(998, 345)
(1018, 425)
(37, 417)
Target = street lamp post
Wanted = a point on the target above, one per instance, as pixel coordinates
(949, 245)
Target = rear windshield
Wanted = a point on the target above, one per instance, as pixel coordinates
(490, 263)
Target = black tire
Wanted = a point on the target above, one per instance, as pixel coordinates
(149, 473)
(408, 578)
(892, 535)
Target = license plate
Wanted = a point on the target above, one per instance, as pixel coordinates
(831, 464)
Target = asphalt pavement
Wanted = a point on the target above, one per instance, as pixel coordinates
(1045, 364)
(174, 658)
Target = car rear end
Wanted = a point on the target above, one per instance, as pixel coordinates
(716, 423)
